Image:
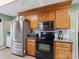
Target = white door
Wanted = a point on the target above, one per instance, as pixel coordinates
(1, 33)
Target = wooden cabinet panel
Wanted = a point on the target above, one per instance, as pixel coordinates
(62, 18)
(58, 44)
(62, 50)
(68, 18)
(42, 16)
(51, 16)
(33, 22)
(31, 47)
(62, 53)
(47, 16)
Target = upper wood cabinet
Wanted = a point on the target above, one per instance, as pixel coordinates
(46, 16)
(33, 22)
(42, 16)
(58, 12)
(51, 16)
(62, 18)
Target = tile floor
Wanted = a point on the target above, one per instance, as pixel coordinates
(6, 54)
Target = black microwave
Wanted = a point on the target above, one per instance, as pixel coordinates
(46, 25)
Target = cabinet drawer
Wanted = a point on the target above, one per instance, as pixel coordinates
(68, 45)
(63, 44)
(31, 41)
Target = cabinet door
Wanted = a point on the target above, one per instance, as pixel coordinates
(31, 47)
(62, 18)
(68, 21)
(62, 53)
(34, 22)
(51, 16)
(33, 50)
(43, 16)
(62, 50)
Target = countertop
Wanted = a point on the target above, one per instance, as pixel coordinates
(57, 40)
(30, 37)
(63, 40)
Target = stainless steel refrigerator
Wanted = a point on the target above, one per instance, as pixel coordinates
(19, 31)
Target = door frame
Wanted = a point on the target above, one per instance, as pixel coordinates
(2, 46)
(77, 18)
(77, 12)
(77, 25)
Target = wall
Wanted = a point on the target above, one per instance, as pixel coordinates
(74, 30)
(6, 25)
(78, 21)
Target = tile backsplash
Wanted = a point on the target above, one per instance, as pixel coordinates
(65, 33)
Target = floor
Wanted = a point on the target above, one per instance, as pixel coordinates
(6, 54)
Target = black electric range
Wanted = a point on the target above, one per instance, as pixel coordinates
(44, 49)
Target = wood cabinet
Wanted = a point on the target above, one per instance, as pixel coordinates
(46, 16)
(51, 16)
(62, 50)
(33, 22)
(62, 18)
(42, 16)
(58, 12)
(31, 46)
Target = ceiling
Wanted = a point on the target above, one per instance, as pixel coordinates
(11, 9)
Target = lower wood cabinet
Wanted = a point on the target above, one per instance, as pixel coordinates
(62, 50)
(31, 46)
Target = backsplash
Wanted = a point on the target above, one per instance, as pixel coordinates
(65, 33)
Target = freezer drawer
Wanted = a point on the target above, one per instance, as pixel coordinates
(16, 51)
(17, 45)
(17, 48)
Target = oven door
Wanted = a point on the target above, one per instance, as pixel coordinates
(44, 46)
(44, 51)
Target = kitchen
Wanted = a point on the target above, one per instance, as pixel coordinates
(43, 22)
(44, 32)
